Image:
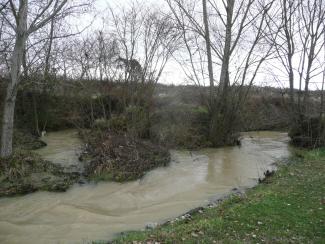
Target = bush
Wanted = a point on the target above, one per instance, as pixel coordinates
(309, 132)
(181, 126)
(25, 140)
(120, 157)
(138, 122)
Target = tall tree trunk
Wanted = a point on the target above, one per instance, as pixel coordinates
(308, 72)
(224, 75)
(11, 92)
(221, 128)
(288, 19)
(208, 47)
(8, 122)
(294, 111)
(291, 84)
(321, 126)
(221, 125)
(49, 50)
(24, 64)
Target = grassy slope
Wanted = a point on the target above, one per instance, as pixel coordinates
(289, 207)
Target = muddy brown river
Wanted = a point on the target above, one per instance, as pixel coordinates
(100, 211)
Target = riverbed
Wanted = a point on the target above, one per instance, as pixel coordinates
(100, 211)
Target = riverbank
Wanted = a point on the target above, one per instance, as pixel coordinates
(26, 172)
(287, 207)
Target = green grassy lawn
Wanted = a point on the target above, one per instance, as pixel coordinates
(287, 208)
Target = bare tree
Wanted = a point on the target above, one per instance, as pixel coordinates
(299, 46)
(147, 40)
(24, 18)
(208, 47)
(299, 43)
(3, 5)
(237, 44)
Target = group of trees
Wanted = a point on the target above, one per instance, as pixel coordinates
(244, 38)
(300, 52)
(228, 43)
(38, 46)
(27, 29)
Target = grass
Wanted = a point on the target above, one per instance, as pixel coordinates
(288, 208)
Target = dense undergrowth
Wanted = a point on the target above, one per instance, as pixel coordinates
(287, 208)
(176, 116)
(123, 140)
(25, 140)
(120, 157)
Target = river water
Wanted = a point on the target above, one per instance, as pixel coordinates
(99, 211)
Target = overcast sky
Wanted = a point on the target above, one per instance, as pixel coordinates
(173, 73)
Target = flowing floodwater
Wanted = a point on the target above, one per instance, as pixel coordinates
(99, 211)
(63, 148)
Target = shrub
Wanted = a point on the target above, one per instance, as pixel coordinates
(309, 132)
(138, 122)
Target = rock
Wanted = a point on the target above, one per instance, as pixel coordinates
(151, 226)
(81, 182)
(186, 216)
(267, 174)
(323, 201)
(238, 142)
